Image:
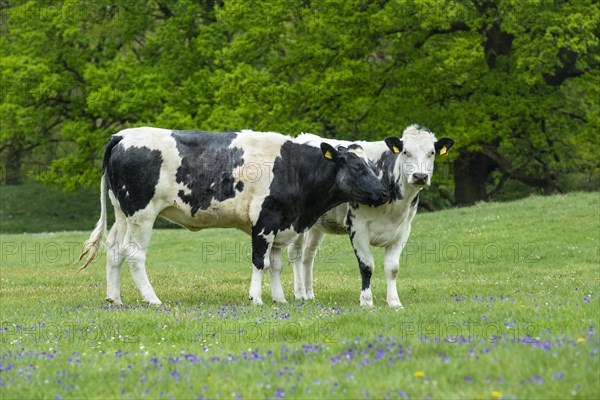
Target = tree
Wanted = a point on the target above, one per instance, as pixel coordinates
(74, 73)
(515, 83)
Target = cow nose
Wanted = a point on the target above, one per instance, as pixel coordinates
(385, 196)
(420, 178)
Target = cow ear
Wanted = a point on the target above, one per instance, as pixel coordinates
(443, 145)
(394, 143)
(329, 152)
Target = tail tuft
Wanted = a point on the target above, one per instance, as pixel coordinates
(92, 245)
(90, 248)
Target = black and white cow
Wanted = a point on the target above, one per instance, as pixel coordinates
(404, 172)
(262, 183)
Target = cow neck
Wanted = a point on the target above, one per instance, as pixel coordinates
(302, 189)
(385, 166)
(317, 205)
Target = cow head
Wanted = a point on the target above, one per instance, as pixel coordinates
(417, 149)
(355, 180)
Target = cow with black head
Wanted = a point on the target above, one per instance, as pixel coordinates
(265, 184)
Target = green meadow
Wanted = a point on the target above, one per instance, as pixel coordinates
(501, 301)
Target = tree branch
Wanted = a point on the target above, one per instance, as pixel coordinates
(574, 116)
(507, 168)
(459, 26)
(505, 177)
(165, 10)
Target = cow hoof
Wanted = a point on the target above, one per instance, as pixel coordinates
(280, 300)
(256, 301)
(310, 296)
(300, 296)
(153, 302)
(366, 298)
(116, 302)
(395, 304)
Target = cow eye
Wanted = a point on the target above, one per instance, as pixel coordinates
(432, 153)
(406, 153)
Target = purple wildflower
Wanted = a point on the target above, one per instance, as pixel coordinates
(192, 358)
(536, 379)
(558, 376)
(279, 393)
(175, 374)
(7, 368)
(546, 345)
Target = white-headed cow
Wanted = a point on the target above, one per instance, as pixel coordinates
(404, 172)
(262, 183)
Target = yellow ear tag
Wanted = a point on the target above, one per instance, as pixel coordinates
(395, 150)
(328, 155)
(443, 151)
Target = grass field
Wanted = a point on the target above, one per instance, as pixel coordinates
(501, 301)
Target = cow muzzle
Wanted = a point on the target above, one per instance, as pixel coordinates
(385, 196)
(380, 198)
(374, 198)
(420, 179)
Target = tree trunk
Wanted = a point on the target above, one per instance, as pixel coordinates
(471, 174)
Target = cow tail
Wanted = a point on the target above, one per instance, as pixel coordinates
(92, 245)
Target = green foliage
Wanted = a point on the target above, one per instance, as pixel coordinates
(525, 268)
(516, 81)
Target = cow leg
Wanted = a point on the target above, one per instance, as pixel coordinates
(391, 265)
(139, 231)
(256, 286)
(366, 263)
(313, 241)
(392, 260)
(115, 257)
(261, 260)
(295, 256)
(275, 275)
